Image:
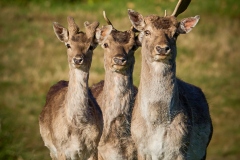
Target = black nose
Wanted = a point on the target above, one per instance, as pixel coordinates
(78, 60)
(120, 60)
(162, 50)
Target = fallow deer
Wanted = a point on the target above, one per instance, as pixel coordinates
(171, 118)
(71, 121)
(116, 94)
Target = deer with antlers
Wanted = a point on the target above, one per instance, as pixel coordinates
(171, 118)
(116, 94)
(71, 121)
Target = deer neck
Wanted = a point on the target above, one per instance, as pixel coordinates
(158, 91)
(118, 93)
(77, 96)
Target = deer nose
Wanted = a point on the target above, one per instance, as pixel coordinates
(162, 49)
(120, 60)
(78, 60)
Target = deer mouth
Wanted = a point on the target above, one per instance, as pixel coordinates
(119, 63)
(118, 67)
(159, 57)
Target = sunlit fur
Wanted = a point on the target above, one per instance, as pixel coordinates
(116, 95)
(71, 121)
(170, 117)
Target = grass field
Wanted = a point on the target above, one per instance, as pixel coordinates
(33, 59)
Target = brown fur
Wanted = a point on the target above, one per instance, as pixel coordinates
(170, 117)
(121, 37)
(116, 94)
(96, 89)
(71, 121)
(162, 22)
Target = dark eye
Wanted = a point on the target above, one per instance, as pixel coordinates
(147, 33)
(105, 45)
(68, 46)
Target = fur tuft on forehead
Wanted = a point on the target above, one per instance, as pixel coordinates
(121, 37)
(163, 22)
(80, 37)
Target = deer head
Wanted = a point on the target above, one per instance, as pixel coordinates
(79, 45)
(119, 47)
(158, 35)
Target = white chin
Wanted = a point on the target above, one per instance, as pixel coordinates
(159, 57)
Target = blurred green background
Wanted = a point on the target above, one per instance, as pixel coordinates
(32, 59)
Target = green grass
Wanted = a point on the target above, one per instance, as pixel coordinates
(33, 59)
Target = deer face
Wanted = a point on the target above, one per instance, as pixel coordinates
(79, 45)
(158, 35)
(119, 48)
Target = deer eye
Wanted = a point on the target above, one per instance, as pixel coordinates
(105, 45)
(147, 33)
(68, 46)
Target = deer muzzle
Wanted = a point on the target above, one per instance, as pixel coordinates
(120, 61)
(78, 60)
(161, 52)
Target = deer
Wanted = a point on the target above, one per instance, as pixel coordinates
(170, 118)
(71, 121)
(116, 94)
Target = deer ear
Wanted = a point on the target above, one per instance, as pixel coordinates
(187, 24)
(91, 28)
(136, 19)
(102, 33)
(61, 32)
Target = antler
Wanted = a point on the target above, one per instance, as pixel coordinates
(72, 26)
(106, 19)
(180, 7)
